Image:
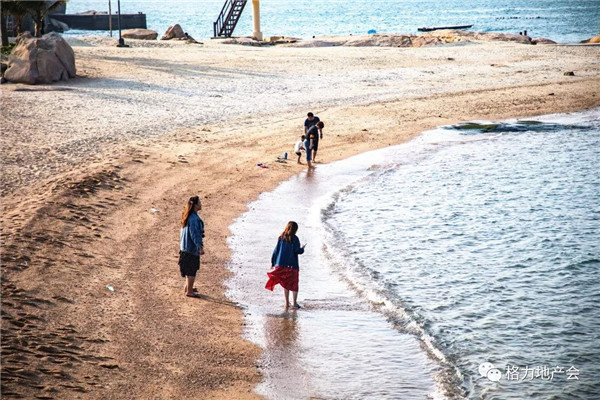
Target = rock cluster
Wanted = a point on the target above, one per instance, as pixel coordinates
(393, 40)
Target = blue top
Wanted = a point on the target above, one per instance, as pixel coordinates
(286, 253)
(308, 123)
(191, 235)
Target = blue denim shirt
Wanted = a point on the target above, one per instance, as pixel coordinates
(191, 235)
(286, 253)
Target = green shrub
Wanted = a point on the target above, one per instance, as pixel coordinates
(7, 49)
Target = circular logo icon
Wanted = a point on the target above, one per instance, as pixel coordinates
(484, 368)
(494, 375)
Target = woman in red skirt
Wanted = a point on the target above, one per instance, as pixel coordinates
(285, 262)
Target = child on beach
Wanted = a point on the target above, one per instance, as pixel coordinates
(285, 262)
(299, 147)
(191, 245)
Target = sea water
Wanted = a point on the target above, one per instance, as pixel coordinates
(463, 264)
(564, 21)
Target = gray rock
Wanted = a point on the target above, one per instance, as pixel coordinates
(143, 34)
(174, 32)
(41, 60)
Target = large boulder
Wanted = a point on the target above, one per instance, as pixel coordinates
(40, 60)
(143, 34)
(174, 32)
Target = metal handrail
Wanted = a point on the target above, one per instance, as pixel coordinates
(226, 24)
(218, 24)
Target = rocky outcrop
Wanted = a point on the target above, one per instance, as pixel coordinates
(174, 32)
(451, 36)
(595, 39)
(542, 41)
(281, 39)
(142, 34)
(92, 12)
(246, 41)
(380, 40)
(433, 38)
(41, 60)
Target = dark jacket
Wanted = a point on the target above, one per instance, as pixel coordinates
(286, 253)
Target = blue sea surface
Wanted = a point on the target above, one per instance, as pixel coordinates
(485, 244)
(564, 21)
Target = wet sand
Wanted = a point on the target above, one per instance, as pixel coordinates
(84, 162)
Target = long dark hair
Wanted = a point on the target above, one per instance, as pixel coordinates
(187, 210)
(289, 232)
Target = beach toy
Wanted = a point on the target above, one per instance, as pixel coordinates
(285, 156)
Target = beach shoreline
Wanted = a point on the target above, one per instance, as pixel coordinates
(84, 162)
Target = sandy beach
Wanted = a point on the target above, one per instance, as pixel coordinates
(95, 172)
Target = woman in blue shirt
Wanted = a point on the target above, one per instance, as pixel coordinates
(191, 245)
(285, 262)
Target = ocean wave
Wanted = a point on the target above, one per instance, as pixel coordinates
(370, 285)
(468, 241)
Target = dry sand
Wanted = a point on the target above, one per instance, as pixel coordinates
(146, 127)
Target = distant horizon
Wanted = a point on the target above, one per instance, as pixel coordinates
(563, 21)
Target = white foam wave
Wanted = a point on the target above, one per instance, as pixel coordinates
(380, 299)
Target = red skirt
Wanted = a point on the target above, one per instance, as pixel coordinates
(288, 278)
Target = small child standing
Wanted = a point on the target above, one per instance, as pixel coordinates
(299, 147)
(285, 262)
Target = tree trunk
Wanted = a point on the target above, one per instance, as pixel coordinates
(3, 30)
(38, 22)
